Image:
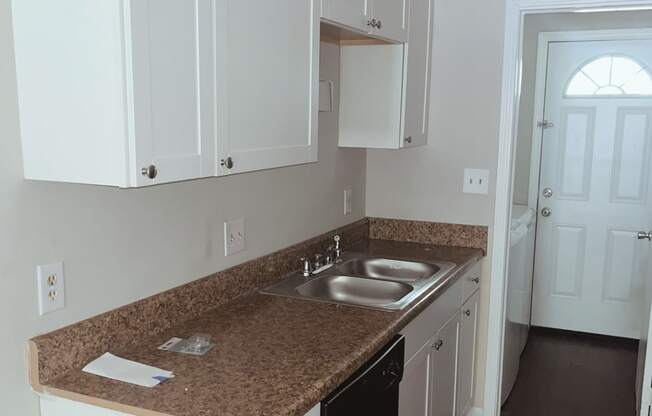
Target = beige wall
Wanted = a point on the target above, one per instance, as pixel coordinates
(123, 245)
(426, 183)
(554, 22)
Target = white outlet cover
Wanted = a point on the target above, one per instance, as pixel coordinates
(476, 181)
(51, 287)
(347, 201)
(234, 237)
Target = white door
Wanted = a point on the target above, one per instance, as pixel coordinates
(444, 369)
(596, 164)
(414, 390)
(171, 44)
(352, 13)
(467, 348)
(417, 54)
(268, 83)
(391, 19)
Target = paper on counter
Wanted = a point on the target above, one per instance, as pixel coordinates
(116, 368)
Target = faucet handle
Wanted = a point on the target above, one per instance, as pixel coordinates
(317, 263)
(307, 267)
(337, 250)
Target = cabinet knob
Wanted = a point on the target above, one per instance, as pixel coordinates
(371, 23)
(379, 24)
(438, 345)
(150, 171)
(467, 312)
(476, 280)
(227, 163)
(408, 139)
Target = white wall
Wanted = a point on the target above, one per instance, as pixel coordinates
(123, 245)
(426, 183)
(554, 22)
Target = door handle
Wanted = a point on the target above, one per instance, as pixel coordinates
(642, 235)
(546, 212)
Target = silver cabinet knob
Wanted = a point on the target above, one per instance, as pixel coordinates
(645, 235)
(227, 163)
(379, 24)
(408, 139)
(547, 193)
(546, 212)
(467, 312)
(371, 23)
(438, 345)
(150, 171)
(475, 280)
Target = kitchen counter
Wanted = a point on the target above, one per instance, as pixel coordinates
(274, 355)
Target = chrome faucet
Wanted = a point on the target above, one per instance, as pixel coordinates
(337, 258)
(307, 267)
(333, 256)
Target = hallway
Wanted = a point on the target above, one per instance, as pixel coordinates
(572, 374)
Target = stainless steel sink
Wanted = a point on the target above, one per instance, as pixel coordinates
(370, 282)
(380, 268)
(355, 290)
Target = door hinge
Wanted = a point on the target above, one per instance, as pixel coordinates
(544, 124)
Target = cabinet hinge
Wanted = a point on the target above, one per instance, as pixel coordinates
(544, 124)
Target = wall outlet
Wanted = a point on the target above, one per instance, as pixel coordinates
(476, 181)
(51, 287)
(347, 201)
(234, 237)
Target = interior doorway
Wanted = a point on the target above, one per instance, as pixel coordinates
(590, 194)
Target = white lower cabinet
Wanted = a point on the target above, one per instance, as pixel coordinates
(414, 397)
(439, 374)
(466, 361)
(444, 368)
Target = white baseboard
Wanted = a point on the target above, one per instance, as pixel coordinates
(475, 411)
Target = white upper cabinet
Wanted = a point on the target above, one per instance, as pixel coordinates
(390, 19)
(386, 19)
(355, 14)
(141, 92)
(169, 51)
(385, 88)
(269, 62)
(417, 74)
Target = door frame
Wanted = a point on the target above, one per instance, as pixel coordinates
(515, 11)
(540, 86)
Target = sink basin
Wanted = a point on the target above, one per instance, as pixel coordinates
(368, 282)
(355, 290)
(381, 268)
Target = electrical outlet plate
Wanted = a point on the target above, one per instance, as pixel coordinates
(347, 201)
(234, 237)
(51, 287)
(476, 181)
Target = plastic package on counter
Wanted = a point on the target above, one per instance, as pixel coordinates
(198, 344)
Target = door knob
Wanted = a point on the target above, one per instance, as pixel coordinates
(547, 193)
(642, 235)
(150, 171)
(546, 212)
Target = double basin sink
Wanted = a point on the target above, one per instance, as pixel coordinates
(372, 282)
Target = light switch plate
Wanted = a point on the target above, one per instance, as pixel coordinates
(347, 201)
(51, 287)
(234, 237)
(476, 181)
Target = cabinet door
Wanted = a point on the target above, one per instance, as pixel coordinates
(268, 83)
(391, 19)
(466, 366)
(170, 48)
(417, 73)
(352, 13)
(444, 369)
(414, 390)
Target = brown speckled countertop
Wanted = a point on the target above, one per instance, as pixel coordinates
(274, 355)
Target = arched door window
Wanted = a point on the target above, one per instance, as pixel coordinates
(608, 76)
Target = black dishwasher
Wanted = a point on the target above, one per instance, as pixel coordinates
(373, 389)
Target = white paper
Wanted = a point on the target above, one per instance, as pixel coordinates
(116, 368)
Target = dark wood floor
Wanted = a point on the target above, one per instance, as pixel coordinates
(571, 374)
